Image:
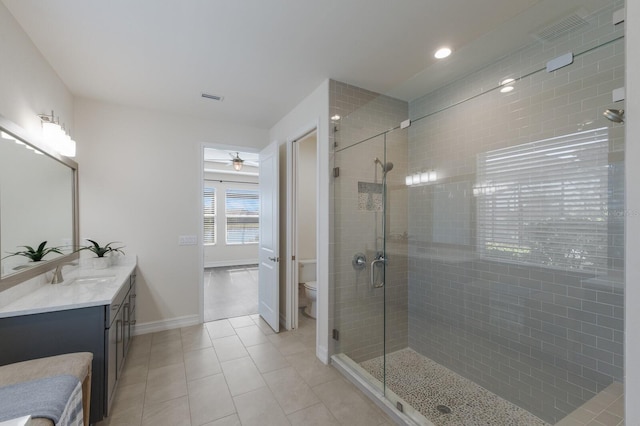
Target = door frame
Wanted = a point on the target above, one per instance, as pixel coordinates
(204, 145)
(291, 311)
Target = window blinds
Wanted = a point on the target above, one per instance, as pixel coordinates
(242, 216)
(209, 216)
(546, 202)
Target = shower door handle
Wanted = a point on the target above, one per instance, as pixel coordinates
(380, 261)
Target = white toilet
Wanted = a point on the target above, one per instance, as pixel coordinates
(307, 277)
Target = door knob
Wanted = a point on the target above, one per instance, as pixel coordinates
(274, 259)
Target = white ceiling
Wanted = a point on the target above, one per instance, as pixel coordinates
(265, 56)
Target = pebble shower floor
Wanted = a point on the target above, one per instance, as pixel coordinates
(426, 385)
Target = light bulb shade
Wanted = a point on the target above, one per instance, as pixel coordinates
(68, 149)
(237, 164)
(424, 177)
(51, 133)
(408, 180)
(416, 178)
(433, 176)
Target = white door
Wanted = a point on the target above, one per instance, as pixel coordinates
(268, 257)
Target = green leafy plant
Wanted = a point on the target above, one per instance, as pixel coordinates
(101, 251)
(37, 254)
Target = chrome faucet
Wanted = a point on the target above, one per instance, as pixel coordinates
(57, 274)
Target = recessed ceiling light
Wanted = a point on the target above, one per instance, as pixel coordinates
(506, 89)
(506, 81)
(442, 53)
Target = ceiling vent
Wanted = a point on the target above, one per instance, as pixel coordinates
(214, 97)
(561, 27)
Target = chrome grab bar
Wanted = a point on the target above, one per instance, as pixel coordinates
(379, 260)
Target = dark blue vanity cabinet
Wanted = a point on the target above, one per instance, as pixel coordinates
(103, 330)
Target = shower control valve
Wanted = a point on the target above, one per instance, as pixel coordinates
(359, 261)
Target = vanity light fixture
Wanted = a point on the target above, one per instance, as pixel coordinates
(55, 136)
(237, 162)
(335, 117)
(442, 53)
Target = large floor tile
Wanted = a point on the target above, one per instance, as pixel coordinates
(267, 357)
(317, 415)
(239, 322)
(218, 329)
(166, 383)
(209, 399)
(260, 408)
(290, 390)
(262, 324)
(347, 404)
(201, 363)
(228, 348)
(195, 337)
(174, 412)
(128, 400)
(311, 369)
(162, 337)
(232, 420)
(230, 291)
(287, 343)
(251, 335)
(242, 376)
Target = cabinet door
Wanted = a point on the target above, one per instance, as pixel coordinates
(126, 328)
(112, 337)
(54, 333)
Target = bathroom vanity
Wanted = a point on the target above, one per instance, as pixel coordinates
(90, 311)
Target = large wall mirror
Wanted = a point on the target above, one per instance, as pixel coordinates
(38, 202)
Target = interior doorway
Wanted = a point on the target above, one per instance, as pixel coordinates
(304, 239)
(230, 231)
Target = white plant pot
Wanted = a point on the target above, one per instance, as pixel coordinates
(101, 262)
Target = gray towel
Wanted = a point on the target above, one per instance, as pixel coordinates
(46, 398)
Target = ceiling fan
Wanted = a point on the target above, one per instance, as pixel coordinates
(234, 161)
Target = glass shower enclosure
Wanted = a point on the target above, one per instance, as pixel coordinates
(477, 272)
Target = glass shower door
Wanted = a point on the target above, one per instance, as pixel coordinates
(358, 196)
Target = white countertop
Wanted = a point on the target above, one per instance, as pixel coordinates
(38, 296)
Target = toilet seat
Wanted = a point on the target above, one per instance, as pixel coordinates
(311, 285)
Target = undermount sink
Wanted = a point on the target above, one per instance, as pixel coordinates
(98, 279)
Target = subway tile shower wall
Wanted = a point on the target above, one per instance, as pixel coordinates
(543, 336)
(358, 308)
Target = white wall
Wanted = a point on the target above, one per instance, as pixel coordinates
(632, 263)
(307, 197)
(140, 174)
(221, 253)
(313, 112)
(28, 84)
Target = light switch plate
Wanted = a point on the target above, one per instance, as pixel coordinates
(188, 240)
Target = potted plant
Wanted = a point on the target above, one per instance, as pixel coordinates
(35, 255)
(102, 253)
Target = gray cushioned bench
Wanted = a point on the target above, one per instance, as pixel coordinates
(76, 364)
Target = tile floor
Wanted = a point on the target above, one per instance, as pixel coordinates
(235, 372)
(230, 291)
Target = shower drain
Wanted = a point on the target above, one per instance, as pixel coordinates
(443, 409)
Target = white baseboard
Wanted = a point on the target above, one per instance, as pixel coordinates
(170, 324)
(322, 353)
(239, 262)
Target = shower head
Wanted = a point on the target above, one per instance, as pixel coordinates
(615, 115)
(386, 167)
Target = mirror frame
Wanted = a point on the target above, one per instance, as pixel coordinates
(18, 277)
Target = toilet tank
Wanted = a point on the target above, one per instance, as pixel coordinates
(306, 270)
